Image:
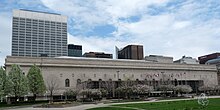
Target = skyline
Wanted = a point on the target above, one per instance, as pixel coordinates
(163, 27)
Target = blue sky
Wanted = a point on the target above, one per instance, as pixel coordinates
(165, 27)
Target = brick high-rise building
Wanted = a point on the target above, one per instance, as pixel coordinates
(97, 55)
(205, 58)
(39, 34)
(131, 52)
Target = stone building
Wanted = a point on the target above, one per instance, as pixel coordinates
(72, 72)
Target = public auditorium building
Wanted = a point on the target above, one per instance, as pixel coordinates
(72, 72)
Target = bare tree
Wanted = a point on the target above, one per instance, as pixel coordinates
(108, 85)
(52, 85)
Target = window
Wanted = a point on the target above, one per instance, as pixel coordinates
(94, 75)
(72, 75)
(67, 83)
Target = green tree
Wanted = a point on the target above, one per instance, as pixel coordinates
(16, 82)
(183, 89)
(70, 94)
(2, 82)
(36, 81)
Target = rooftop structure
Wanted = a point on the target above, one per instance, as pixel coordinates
(159, 59)
(187, 60)
(97, 55)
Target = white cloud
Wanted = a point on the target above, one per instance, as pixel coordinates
(5, 42)
(95, 43)
(89, 13)
(179, 31)
(181, 24)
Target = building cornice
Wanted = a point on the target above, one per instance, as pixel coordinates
(104, 63)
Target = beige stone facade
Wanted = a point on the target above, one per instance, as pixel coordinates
(85, 69)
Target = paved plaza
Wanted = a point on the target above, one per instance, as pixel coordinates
(87, 106)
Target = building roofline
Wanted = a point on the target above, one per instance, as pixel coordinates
(209, 54)
(103, 63)
(99, 59)
(39, 11)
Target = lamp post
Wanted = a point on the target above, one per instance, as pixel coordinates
(185, 78)
(61, 97)
(7, 99)
(163, 82)
(46, 95)
(118, 83)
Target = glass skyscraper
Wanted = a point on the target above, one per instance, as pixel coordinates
(74, 50)
(38, 34)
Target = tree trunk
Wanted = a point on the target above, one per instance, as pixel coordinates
(35, 96)
(51, 97)
(16, 99)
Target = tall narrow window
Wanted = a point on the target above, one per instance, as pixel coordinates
(67, 83)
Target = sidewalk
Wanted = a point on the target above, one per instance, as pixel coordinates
(87, 106)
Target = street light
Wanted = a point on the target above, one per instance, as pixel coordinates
(61, 97)
(118, 84)
(6, 98)
(118, 74)
(163, 78)
(185, 78)
(45, 95)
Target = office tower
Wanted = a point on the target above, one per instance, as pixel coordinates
(97, 55)
(38, 34)
(131, 52)
(74, 50)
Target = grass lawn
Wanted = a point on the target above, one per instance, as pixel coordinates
(214, 104)
(4, 104)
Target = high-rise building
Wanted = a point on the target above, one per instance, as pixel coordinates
(205, 58)
(74, 50)
(39, 34)
(131, 52)
(97, 55)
